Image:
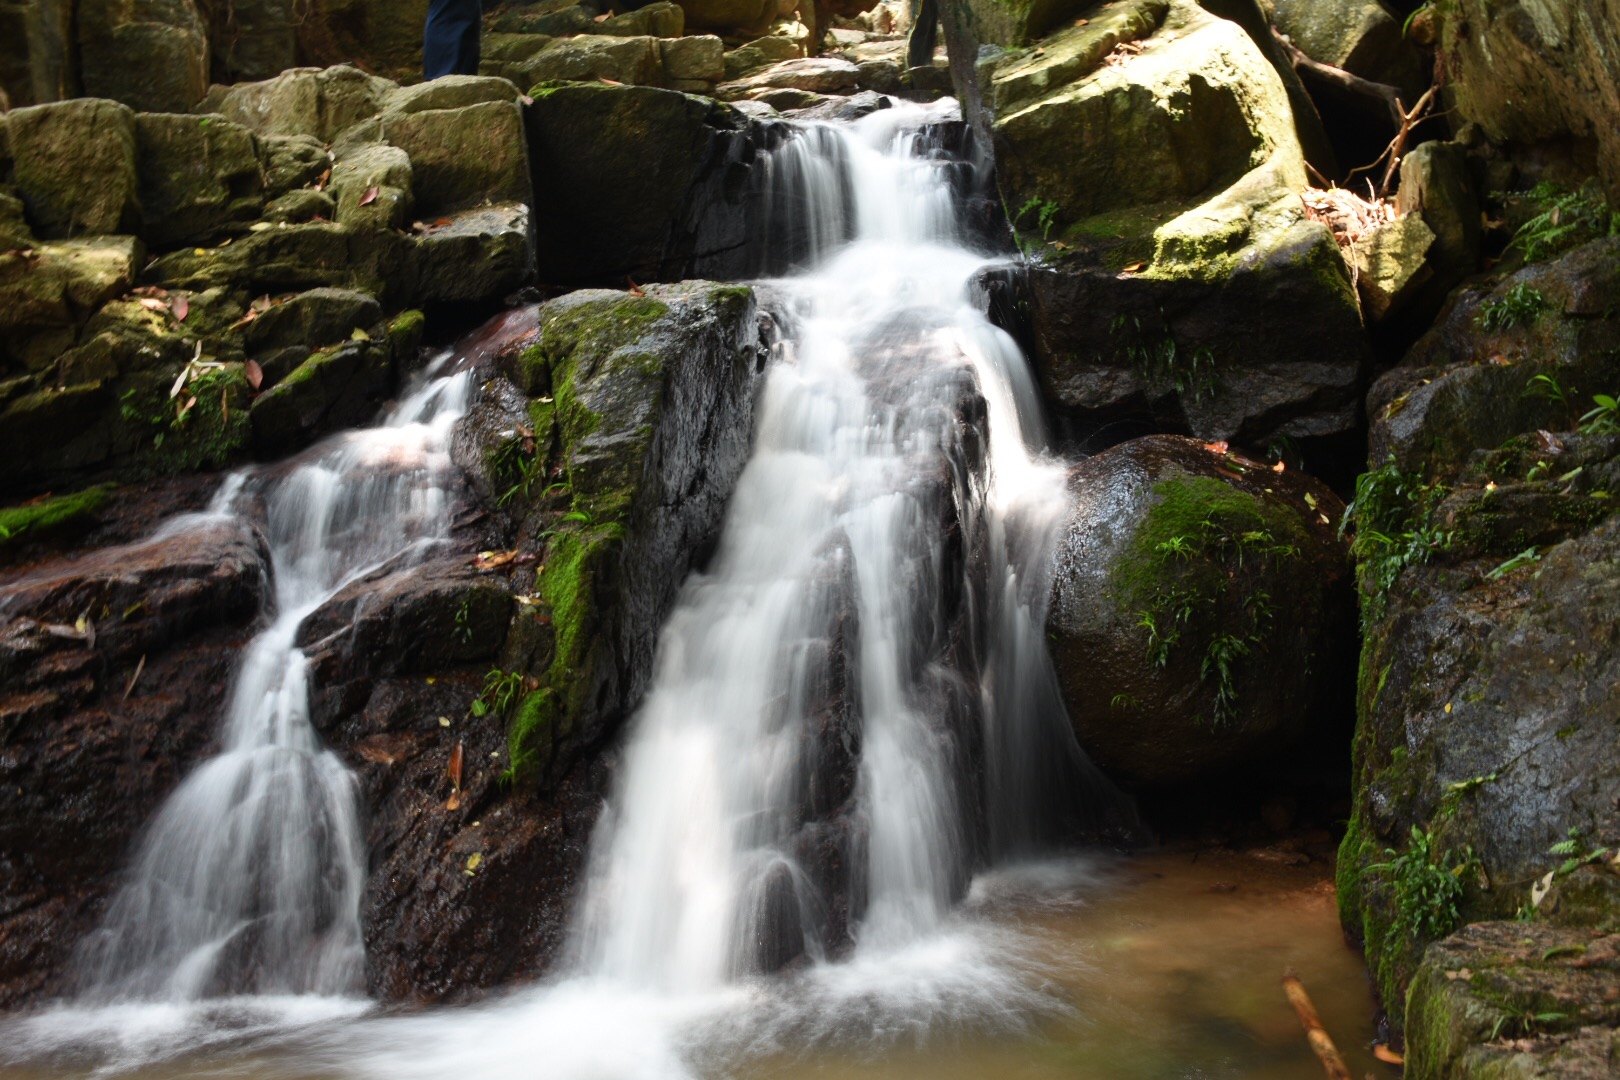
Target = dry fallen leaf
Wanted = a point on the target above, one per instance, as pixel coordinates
(254, 373)
(152, 303)
(454, 769)
(635, 290)
(179, 306)
(371, 195)
(1386, 1055)
(1281, 466)
(1216, 447)
(1134, 268)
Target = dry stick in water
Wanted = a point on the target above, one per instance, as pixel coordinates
(1315, 1033)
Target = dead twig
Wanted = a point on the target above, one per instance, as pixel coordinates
(1341, 78)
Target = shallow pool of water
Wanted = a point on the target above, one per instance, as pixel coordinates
(1166, 965)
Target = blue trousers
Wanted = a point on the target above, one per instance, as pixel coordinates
(450, 38)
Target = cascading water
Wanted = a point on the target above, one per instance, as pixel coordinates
(852, 712)
(248, 880)
(853, 707)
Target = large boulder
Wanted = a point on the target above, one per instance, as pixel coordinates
(1489, 560)
(632, 60)
(638, 181)
(462, 157)
(1150, 157)
(1541, 77)
(200, 177)
(37, 65)
(115, 665)
(1509, 355)
(57, 149)
(1362, 37)
(1197, 608)
(152, 55)
(304, 101)
(640, 403)
(384, 36)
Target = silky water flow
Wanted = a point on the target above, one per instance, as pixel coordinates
(852, 710)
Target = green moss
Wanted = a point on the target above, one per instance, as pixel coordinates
(1177, 579)
(205, 426)
(567, 582)
(44, 515)
(407, 324)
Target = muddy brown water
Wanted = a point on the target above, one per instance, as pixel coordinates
(1172, 962)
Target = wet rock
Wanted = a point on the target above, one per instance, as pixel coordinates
(1480, 725)
(1178, 655)
(1469, 383)
(1511, 999)
(94, 733)
(284, 335)
(200, 177)
(336, 387)
(1175, 219)
(638, 181)
(646, 403)
(1540, 79)
(426, 618)
(55, 147)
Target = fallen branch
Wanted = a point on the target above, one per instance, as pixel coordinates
(1341, 78)
(1315, 1033)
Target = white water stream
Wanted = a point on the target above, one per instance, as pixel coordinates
(248, 880)
(852, 712)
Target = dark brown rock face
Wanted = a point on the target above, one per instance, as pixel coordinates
(115, 664)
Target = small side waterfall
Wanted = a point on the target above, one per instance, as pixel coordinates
(248, 880)
(853, 708)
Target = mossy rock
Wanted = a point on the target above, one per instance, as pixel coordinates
(463, 157)
(632, 399)
(1175, 570)
(1507, 999)
(50, 515)
(337, 387)
(316, 102)
(1158, 194)
(74, 165)
(1471, 384)
(200, 177)
(371, 184)
(151, 56)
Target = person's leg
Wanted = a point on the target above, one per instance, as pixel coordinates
(450, 38)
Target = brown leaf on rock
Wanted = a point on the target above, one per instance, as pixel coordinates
(254, 373)
(371, 195)
(179, 306)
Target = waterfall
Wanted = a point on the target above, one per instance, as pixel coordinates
(248, 880)
(853, 708)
